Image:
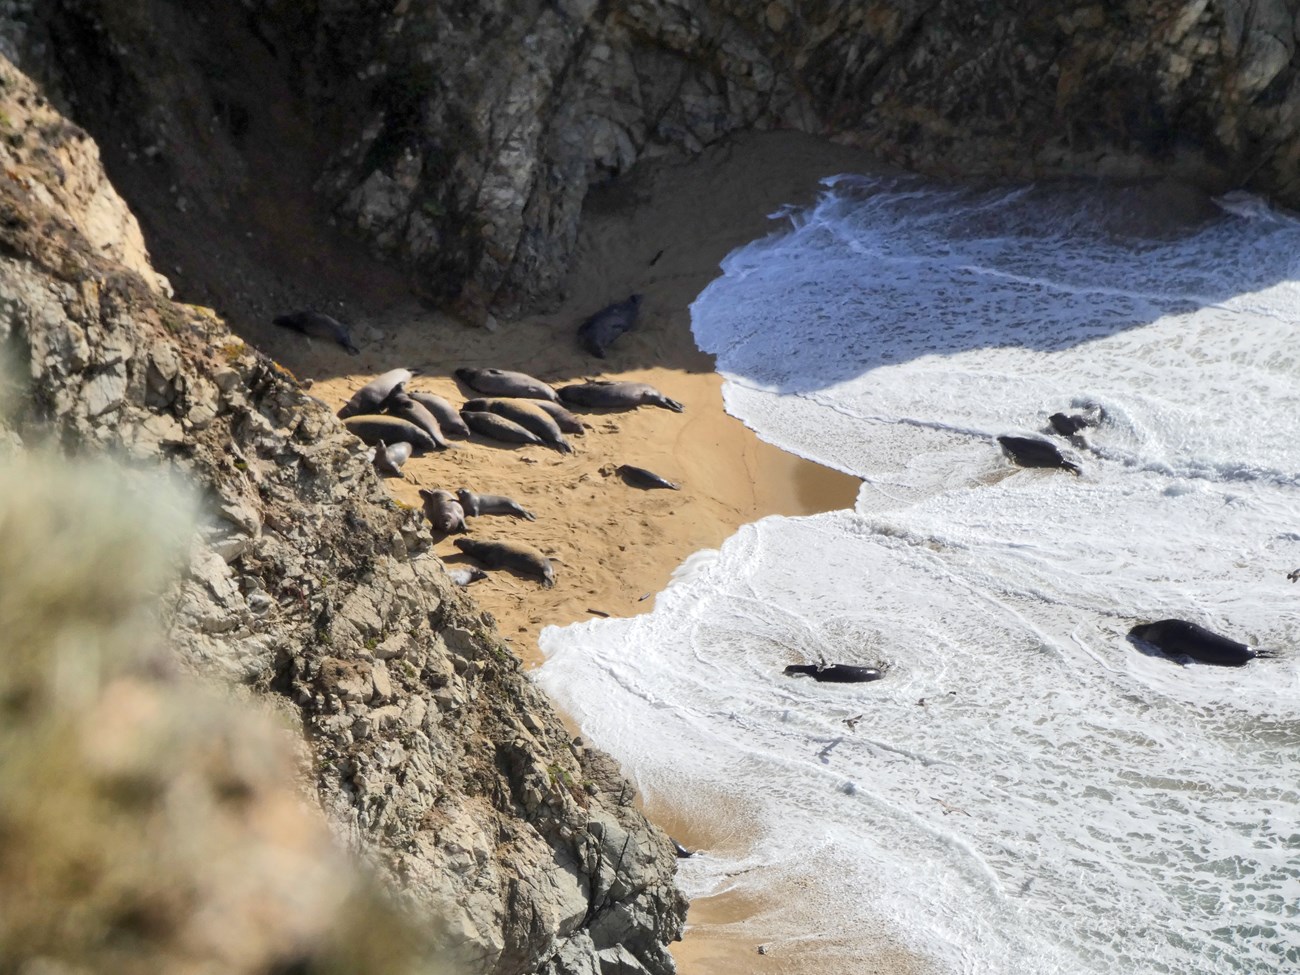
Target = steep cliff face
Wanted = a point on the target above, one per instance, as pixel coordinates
(461, 138)
(434, 757)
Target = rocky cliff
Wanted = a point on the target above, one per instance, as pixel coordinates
(511, 847)
(461, 138)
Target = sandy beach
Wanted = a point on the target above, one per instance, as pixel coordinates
(661, 233)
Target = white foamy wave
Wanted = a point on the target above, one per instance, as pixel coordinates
(1026, 790)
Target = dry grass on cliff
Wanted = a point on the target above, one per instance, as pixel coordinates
(147, 824)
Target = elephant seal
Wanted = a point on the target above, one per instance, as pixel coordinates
(443, 511)
(502, 382)
(599, 331)
(509, 555)
(538, 423)
(491, 504)
(499, 428)
(617, 395)
(389, 460)
(401, 405)
(372, 428)
(447, 416)
(370, 397)
(642, 478)
(1032, 452)
(463, 575)
(1294, 576)
(565, 420)
(1179, 638)
(318, 326)
(835, 673)
(1068, 426)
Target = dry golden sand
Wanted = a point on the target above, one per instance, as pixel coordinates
(661, 233)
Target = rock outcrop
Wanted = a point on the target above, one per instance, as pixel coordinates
(435, 759)
(461, 138)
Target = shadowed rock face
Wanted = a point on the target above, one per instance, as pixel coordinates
(460, 139)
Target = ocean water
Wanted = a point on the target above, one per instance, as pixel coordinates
(1026, 791)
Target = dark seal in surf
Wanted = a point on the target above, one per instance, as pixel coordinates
(1179, 638)
(835, 673)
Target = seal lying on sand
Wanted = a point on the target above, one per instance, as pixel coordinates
(491, 504)
(370, 397)
(509, 555)
(318, 326)
(1179, 638)
(443, 511)
(390, 429)
(599, 331)
(499, 428)
(522, 412)
(388, 460)
(642, 478)
(447, 416)
(401, 405)
(463, 575)
(836, 673)
(603, 393)
(1032, 452)
(565, 420)
(502, 382)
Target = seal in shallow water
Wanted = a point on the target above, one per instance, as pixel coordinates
(318, 326)
(516, 556)
(617, 395)
(1179, 638)
(491, 504)
(599, 331)
(503, 382)
(835, 673)
(370, 397)
(1032, 452)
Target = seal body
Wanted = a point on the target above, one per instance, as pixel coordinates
(617, 395)
(642, 478)
(463, 575)
(835, 673)
(370, 397)
(401, 405)
(391, 430)
(565, 420)
(1179, 638)
(499, 428)
(523, 413)
(447, 416)
(516, 556)
(388, 460)
(503, 382)
(599, 331)
(443, 511)
(1032, 452)
(1068, 426)
(491, 504)
(318, 326)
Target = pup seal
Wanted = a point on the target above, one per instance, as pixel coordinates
(447, 416)
(835, 673)
(617, 395)
(502, 382)
(443, 511)
(463, 575)
(401, 405)
(318, 326)
(373, 428)
(516, 556)
(599, 331)
(1179, 638)
(499, 428)
(642, 478)
(1032, 452)
(491, 504)
(370, 397)
(522, 412)
(389, 460)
